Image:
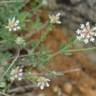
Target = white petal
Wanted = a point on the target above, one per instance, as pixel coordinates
(48, 80)
(17, 22)
(20, 74)
(47, 85)
(82, 26)
(38, 84)
(19, 79)
(20, 70)
(13, 19)
(87, 23)
(16, 76)
(58, 14)
(88, 26)
(9, 20)
(12, 78)
(94, 29)
(79, 37)
(49, 16)
(58, 22)
(86, 41)
(94, 34)
(10, 29)
(88, 36)
(78, 31)
(51, 21)
(92, 39)
(41, 87)
(84, 30)
(18, 27)
(14, 29)
(44, 2)
(82, 35)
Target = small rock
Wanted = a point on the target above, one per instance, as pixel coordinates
(67, 88)
(57, 90)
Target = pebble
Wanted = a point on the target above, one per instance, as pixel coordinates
(67, 87)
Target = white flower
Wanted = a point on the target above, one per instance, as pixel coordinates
(16, 73)
(44, 2)
(43, 82)
(13, 24)
(55, 19)
(20, 41)
(86, 33)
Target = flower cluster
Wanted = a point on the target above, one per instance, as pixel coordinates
(86, 33)
(55, 18)
(13, 24)
(43, 82)
(44, 2)
(16, 73)
(20, 41)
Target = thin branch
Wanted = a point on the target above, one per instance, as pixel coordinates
(80, 50)
(37, 31)
(11, 65)
(62, 50)
(43, 36)
(21, 89)
(72, 70)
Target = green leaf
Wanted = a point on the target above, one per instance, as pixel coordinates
(2, 84)
(4, 57)
(22, 16)
(34, 43)
(36, 25)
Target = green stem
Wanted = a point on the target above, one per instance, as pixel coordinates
(62, 50)
(36, 8)
(80, 50)
(71, 51)
(43, 36)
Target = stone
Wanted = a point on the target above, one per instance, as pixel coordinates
(68, 87)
